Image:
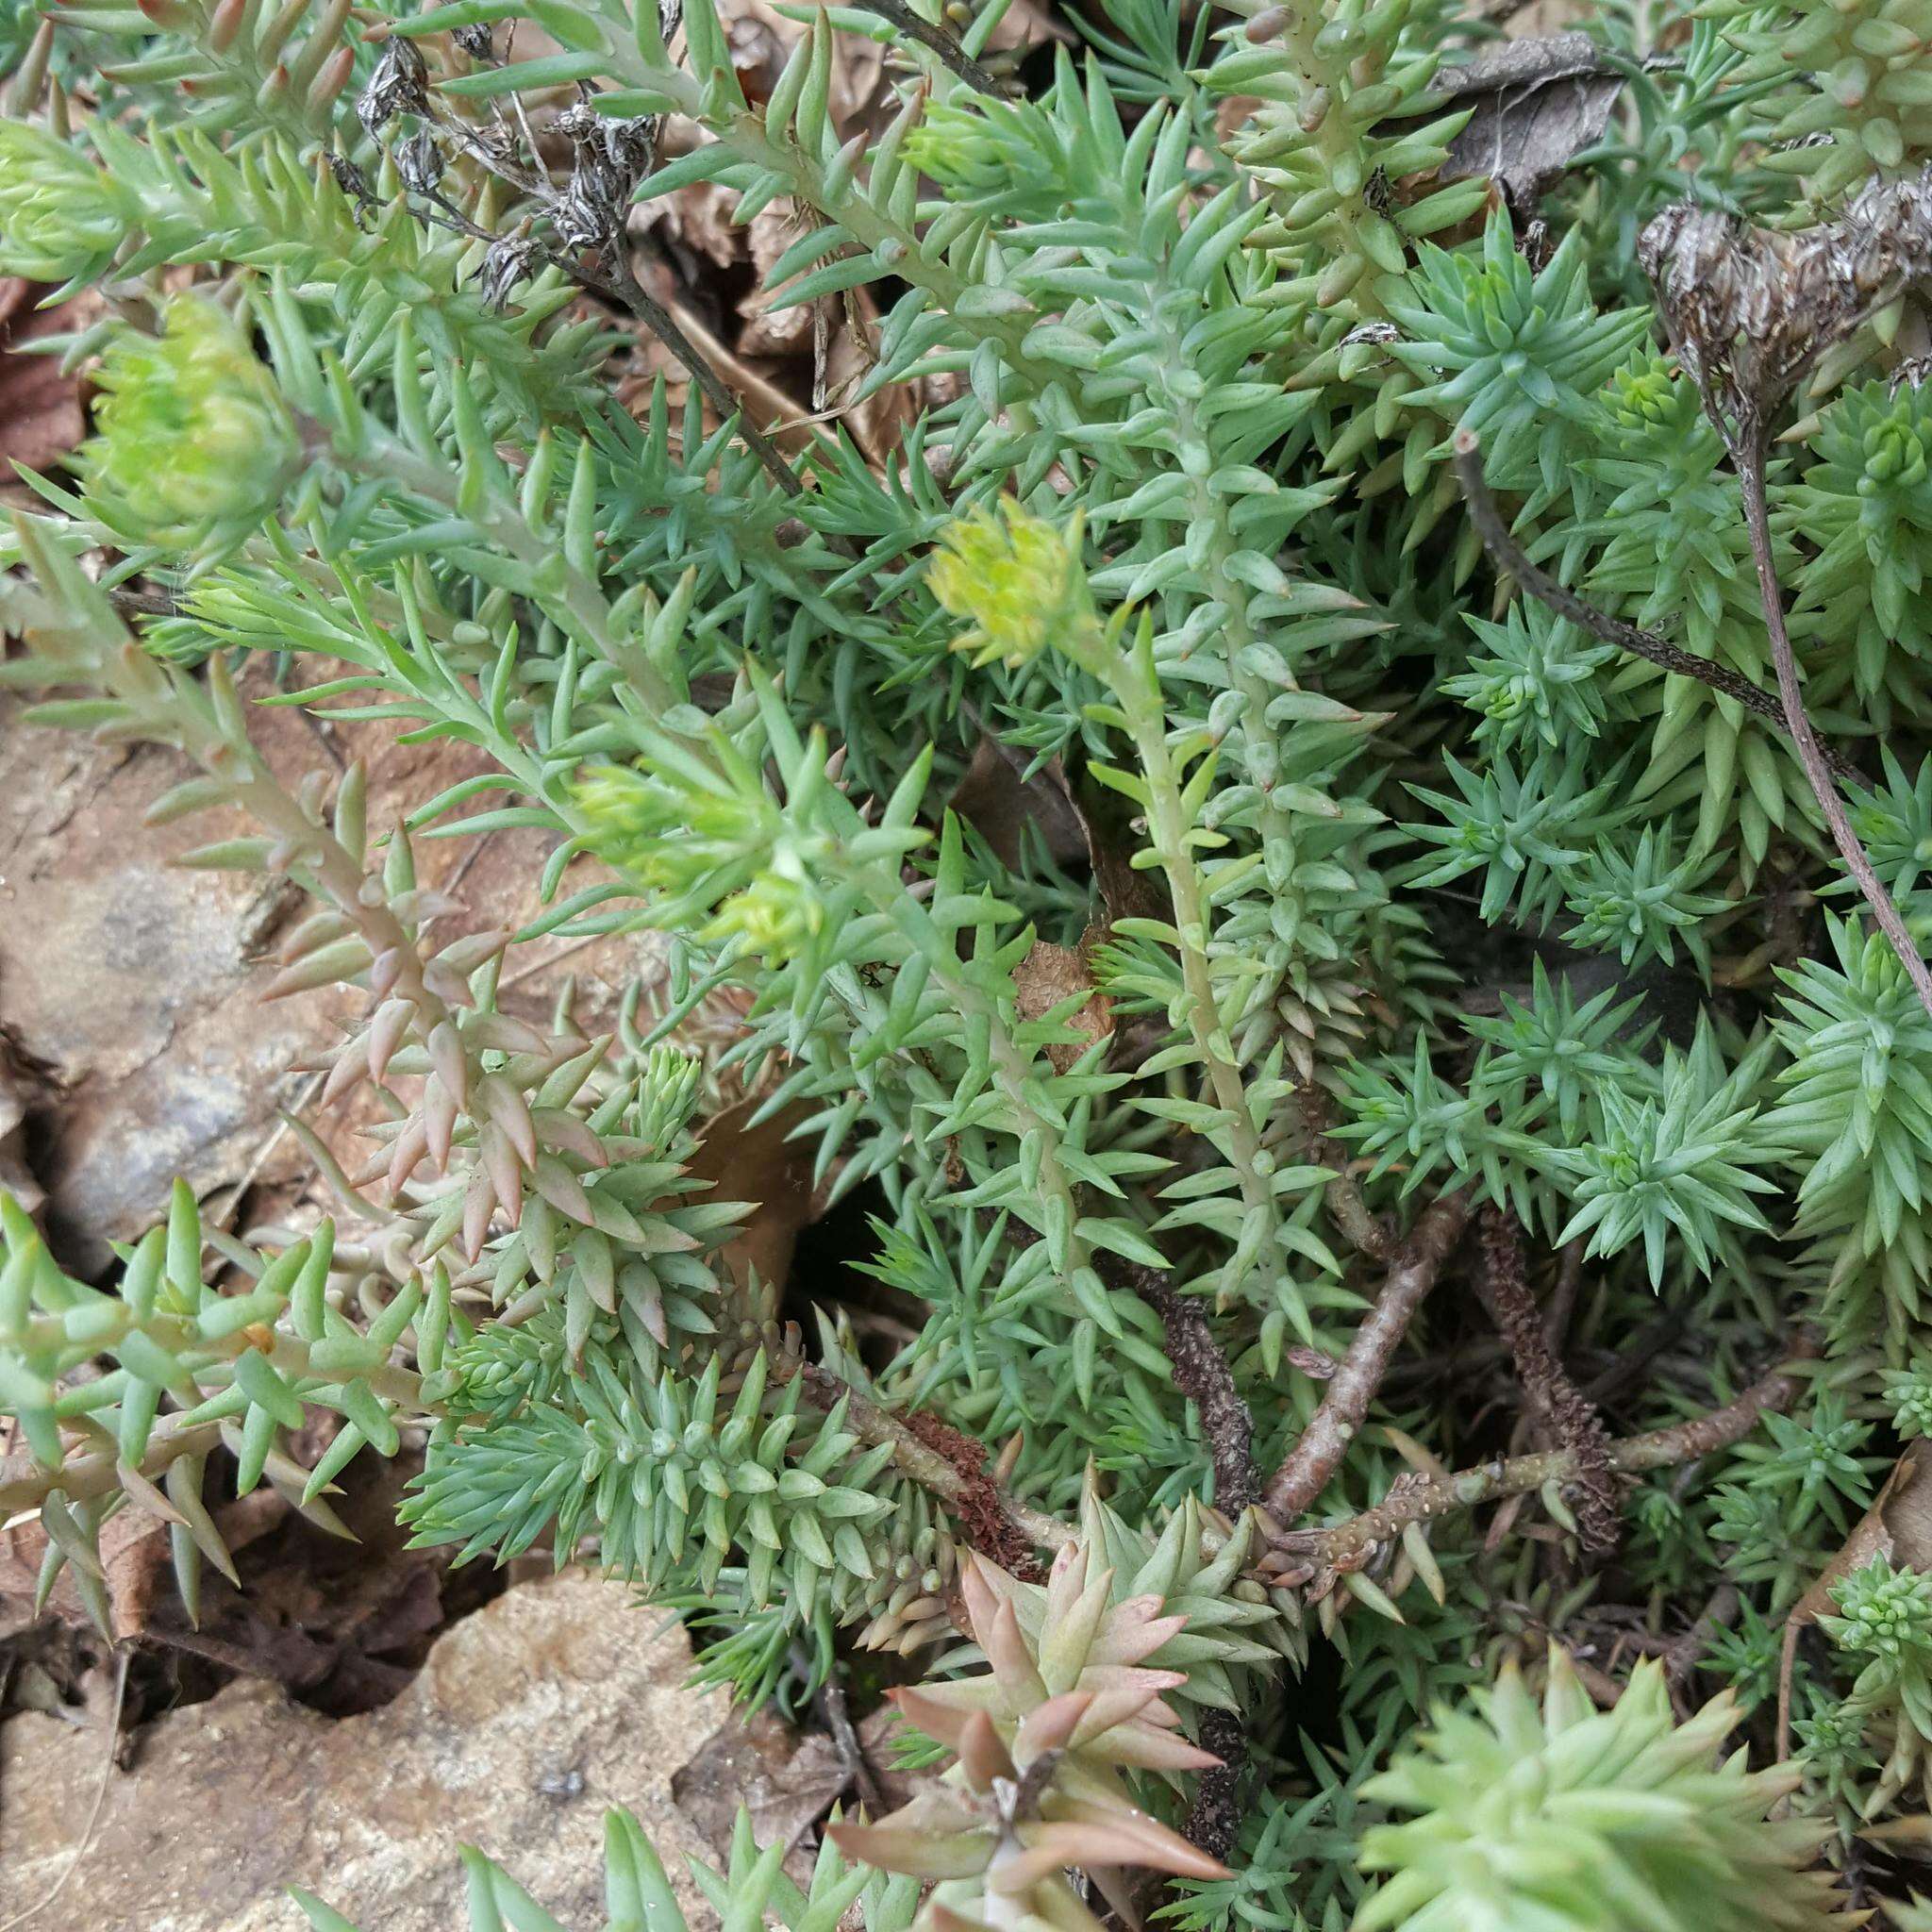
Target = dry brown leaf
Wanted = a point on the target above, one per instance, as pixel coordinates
(18, 1094)
(1898, 1526)
(759, 1765)
(772, 232)
(134, 1554)
(1049, 974)
(40, 413)
(761, 1166)
(998, 799)
(1532, 105)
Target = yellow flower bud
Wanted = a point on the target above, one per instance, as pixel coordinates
(1017, 580)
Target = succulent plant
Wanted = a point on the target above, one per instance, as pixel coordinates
(1050, 1740)
(1546, 1811)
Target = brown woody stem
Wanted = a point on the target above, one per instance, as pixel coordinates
(1304, 1471)
(916, 1458)
(1749, 457)
(1340, 1196)
(1419, 1499)
(1202, 1374)
(1567, 1414)
(951, 55)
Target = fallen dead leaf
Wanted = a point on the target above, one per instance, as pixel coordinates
(997, 797)
(40, 413)
(759, 1764)
(1533, 104)
(1898, 1526)
(1049, 974)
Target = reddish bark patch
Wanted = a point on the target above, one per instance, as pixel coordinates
(977, 1508)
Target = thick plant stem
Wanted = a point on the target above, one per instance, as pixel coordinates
(1342, 1196)
(1318, 1452)
(915, 1458)
(1303, 1554)
(1171, 828)
(1568, 1415)
(1202, 1374)
(1750, 463)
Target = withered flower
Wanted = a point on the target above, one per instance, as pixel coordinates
(1749, 310)
(609, 157)
(418, 162)
(509, 260)
(398, 86)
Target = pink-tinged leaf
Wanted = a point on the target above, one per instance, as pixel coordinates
(1127, 1640)
(1061, 1908)
(451, 1065)
(351, 1065)
(479, 1202)
(979, 1586)
(561, 1188)
(1105, 1677)
(1134, 1840)
(1108, 1708)
(918, 1851)
(1119, 1892)
(944, 1918)
(1075, 1617)
(1164, 1848)
(924, 1712)
(1070, 1579)
(386, 1031)
(505, 1174)
(1050, 1726)
(1007, 1652)
(412, 1144)
(439, 1119)
(1146, 1748)
(982, 1755)
(967, 1693)
(512, 1114)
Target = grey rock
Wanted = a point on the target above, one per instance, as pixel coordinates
(555, 1701)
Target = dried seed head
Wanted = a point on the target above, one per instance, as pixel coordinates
(418, 162)
(508, 262)
(350, 179)
(398, 86)
(1912, 373)
(1749, 310)
(590, 210)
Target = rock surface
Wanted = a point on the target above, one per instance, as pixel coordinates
(552, 1703)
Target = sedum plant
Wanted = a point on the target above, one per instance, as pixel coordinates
(1526, 1811)
(1412, 1152)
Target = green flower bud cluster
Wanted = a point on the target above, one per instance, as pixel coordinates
(60, 216)
(1017, 579)
(194, 444)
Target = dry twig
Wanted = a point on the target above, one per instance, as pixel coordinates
(1303, 1556)
(1304, 1471)
(1568, 1414)
(1508, 556)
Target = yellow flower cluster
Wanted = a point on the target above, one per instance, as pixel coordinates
(1016, 579)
